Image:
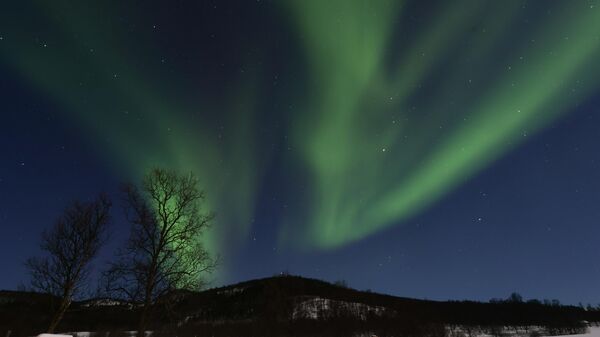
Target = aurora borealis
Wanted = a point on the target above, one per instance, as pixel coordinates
(363, 114)
(320, 129)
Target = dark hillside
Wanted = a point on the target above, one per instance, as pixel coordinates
(293, 306)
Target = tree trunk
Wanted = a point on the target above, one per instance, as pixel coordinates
(143, 320)
(64, 305)
(147, 298)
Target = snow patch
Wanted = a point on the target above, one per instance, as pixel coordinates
(322, 308)
(513, 331)
(592, 332)
(103, 302)
(232, 291)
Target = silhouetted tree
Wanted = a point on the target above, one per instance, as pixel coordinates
(341, 283)
(164, 251)
(70, 246)
(515, 298)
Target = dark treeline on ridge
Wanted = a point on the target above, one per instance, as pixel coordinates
(295, 306)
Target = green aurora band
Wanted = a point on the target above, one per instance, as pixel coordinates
(391, 123)
(374, 157)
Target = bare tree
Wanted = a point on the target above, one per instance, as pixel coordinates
(70, 246)
(164, 251)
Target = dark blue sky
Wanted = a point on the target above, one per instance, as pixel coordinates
(526, 222)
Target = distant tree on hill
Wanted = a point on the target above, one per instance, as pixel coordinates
(515, 298)
(164, 252)
(341, 283)
(70, 246)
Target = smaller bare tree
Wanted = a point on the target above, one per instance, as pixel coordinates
(70, 246)
(164, 251)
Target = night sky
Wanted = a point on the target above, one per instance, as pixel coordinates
(429, 149)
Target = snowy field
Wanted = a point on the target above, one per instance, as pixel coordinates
(593, 332)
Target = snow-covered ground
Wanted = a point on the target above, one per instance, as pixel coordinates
(231, 291)
(317, 308)
(511, 331)
(104, 302)
(593, 332)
